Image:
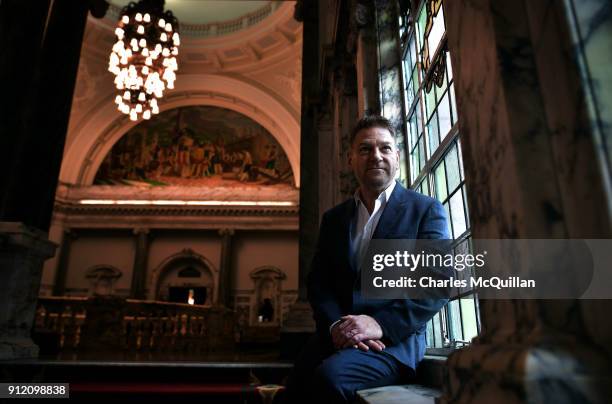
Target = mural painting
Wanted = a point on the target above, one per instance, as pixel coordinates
(196, 146)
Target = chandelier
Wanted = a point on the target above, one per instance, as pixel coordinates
(143, 59)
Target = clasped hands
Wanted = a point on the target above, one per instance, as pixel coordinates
(359, 331)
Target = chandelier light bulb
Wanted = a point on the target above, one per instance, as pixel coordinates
(138, 17)
(147, 17)
(163, 37)
(146, 114)
(142, 43)
(140, 29)
(162, 23)
(168, 27)
(125, 19)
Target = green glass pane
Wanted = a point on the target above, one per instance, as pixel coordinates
(414, 165)
(406, 69)
(421, 22)
(440, 182)
(437, 331)
(452, 169)
(448, 216)
(421, 153)
(430, 101)
(424, 187)
(413, 52)
(468, 314)
(419, 112)
(444, 116)
(429, 334)
(415, 80)
(458, 214)
(454, 315)
(410, 94)
(433, 135)
(414, 130)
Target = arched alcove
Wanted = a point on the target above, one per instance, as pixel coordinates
(201, 146)
(93, 138)
(181, 272)
(268, 290)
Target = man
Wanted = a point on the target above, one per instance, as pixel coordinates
(359, 343)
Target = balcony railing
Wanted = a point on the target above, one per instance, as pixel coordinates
(104, 324)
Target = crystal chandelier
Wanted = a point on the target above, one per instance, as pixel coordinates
(143, 59)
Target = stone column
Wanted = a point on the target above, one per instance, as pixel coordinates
(23, 251)
(139, 271)
(531, 172)
(225, 277)
(40, 60)
(59, 284)
(42, 45)
(299, 318)
(363, 25)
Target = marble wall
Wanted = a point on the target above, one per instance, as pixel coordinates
(532, 170)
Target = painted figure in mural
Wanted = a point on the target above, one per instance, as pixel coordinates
(197, 160)
(184, 158)
(211, 146)
(247, 163)
(363, 343)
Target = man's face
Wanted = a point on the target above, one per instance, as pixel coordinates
(374, 158)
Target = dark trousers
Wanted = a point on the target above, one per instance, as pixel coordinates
(324, 375)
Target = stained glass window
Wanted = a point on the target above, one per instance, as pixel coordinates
(434, 149)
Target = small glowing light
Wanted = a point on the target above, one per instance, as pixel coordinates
(147, 17)
(140, 29)
(138, 17)
(162, 23)
(125, 19)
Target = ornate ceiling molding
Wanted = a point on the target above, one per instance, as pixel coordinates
(105, 126)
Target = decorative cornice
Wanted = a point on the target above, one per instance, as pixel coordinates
(138, 210)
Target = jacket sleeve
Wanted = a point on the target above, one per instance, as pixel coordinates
(402, 317)
(321, 295)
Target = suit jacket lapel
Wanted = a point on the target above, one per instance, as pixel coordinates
(389, 219)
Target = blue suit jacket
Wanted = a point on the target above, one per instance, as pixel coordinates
(333, 282)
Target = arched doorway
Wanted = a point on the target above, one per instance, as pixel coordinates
(185, 277)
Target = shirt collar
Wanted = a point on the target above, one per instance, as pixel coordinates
(383, 197)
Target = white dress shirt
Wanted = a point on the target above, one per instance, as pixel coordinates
(363, 226)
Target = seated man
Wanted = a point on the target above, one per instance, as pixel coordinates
(363, 343)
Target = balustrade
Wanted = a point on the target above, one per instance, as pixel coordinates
(116, 324)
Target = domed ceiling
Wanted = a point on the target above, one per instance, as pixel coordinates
(202, 12)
